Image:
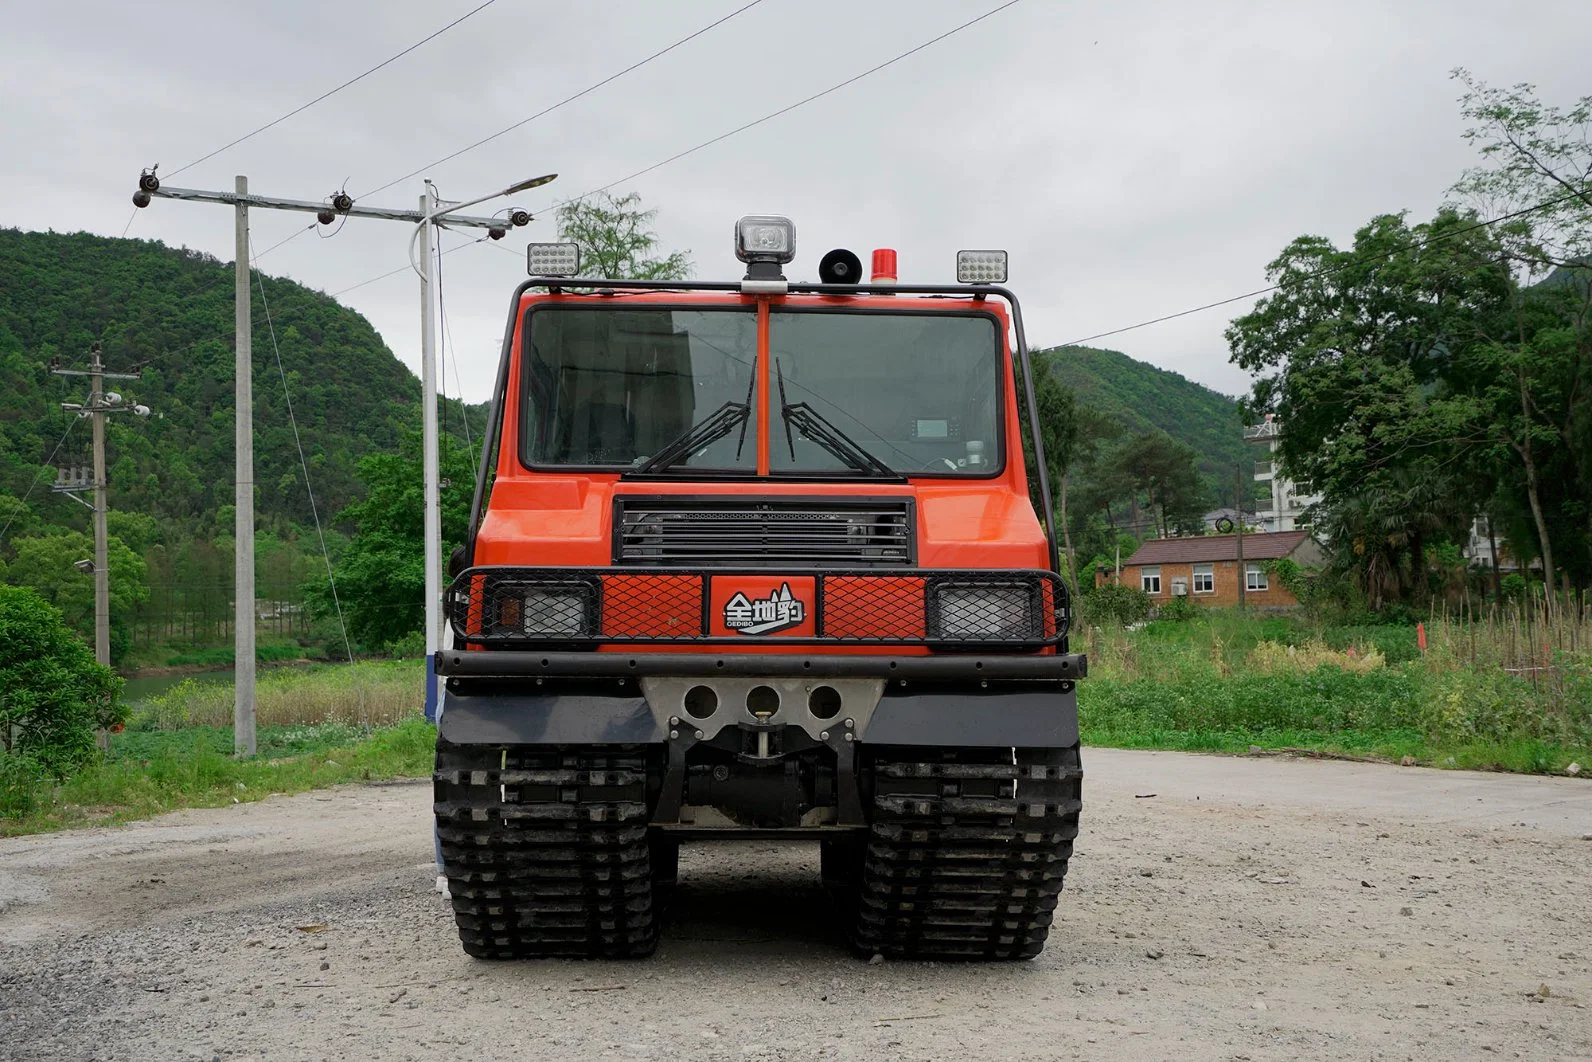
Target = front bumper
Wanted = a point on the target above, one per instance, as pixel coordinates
(957, 712)
(506, 664)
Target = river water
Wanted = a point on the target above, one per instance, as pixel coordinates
(135, 690)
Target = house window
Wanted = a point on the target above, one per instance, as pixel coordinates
(1204, 579)
(1255, 578)
(1150, 580)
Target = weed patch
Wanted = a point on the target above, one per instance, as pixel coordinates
(152, 772)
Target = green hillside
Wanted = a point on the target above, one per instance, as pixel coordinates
(1144, 398)
(171, 311)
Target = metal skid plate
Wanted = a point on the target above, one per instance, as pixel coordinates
(675, 708)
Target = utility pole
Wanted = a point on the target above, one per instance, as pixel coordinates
(432, 488)
(98, 403)
(102, 575)
(1238, 503)
(96, 406)
(331, 209)
(243, 482)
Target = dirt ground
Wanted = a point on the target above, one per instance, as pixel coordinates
(1249, 909)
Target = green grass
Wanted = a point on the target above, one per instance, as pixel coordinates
(221, 656)
(150, 772)
(1522, 756)
(273, 651)
(369, 693)
(1225, 682)
(1510, 696)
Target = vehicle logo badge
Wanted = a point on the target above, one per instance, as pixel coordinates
(779, 611)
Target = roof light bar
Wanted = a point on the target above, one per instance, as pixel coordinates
(981, 267)
(552, 259)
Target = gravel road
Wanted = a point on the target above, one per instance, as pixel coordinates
(1249, 909)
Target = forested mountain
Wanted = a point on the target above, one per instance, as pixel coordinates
(1143, 398)
(171, 312)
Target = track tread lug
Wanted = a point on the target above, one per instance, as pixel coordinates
(546, 851)
(965, 860)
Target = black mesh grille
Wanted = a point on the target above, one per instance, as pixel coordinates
(509, 607)
(766, 533)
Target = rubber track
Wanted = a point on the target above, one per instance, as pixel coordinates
(546, 853)
(965, 859)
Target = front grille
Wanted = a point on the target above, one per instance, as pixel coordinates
(774, 533)
(508, 607)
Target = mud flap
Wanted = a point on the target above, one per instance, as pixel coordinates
(598, 714)
(1033, 715)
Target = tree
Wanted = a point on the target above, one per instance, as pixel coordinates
(52, 694)
(1538, 156)
(616, 239)
(47, 565)
(1537, 164)
(1409, 359)
(1162, 471)
(381, 576)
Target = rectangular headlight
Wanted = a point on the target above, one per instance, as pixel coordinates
(981, 267)
(550, 610)
(552, 259)
(765, 238)
(985, 612)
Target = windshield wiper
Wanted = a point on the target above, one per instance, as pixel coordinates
(710, 429)
(705, 432)
(820, 430)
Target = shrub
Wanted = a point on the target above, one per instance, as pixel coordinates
(23, 780)
(52, 693)
(411, 646)
(1113, 603)
(1270, 657)
(1397, 645)
(1179, 608)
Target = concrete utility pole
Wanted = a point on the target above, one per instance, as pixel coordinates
(431, 212)
(428, 432)
(1238, 503)
(243, 480)
(102, 575)
(329, 210)
(98, 403)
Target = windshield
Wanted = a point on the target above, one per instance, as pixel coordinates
(918, 391)
(616, 387)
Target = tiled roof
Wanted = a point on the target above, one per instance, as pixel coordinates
(1197, 549)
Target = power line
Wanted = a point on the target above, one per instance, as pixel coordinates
(799, 103)
(23, 504)
(405, 267)
(449, 349)
(332, 92)
(304, 464)
(285, 240)
(567, 100)
(1354, 260)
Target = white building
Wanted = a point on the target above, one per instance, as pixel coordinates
(1288, 502)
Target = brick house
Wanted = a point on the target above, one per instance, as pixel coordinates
(1205, 568)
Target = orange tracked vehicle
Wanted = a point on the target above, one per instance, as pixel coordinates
(756, 559)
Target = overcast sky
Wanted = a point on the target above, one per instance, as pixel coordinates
(1136, 158)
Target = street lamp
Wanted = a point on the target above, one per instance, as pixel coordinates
(432, 210)
(437, 210)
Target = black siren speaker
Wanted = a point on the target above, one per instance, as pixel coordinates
(840, 266)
